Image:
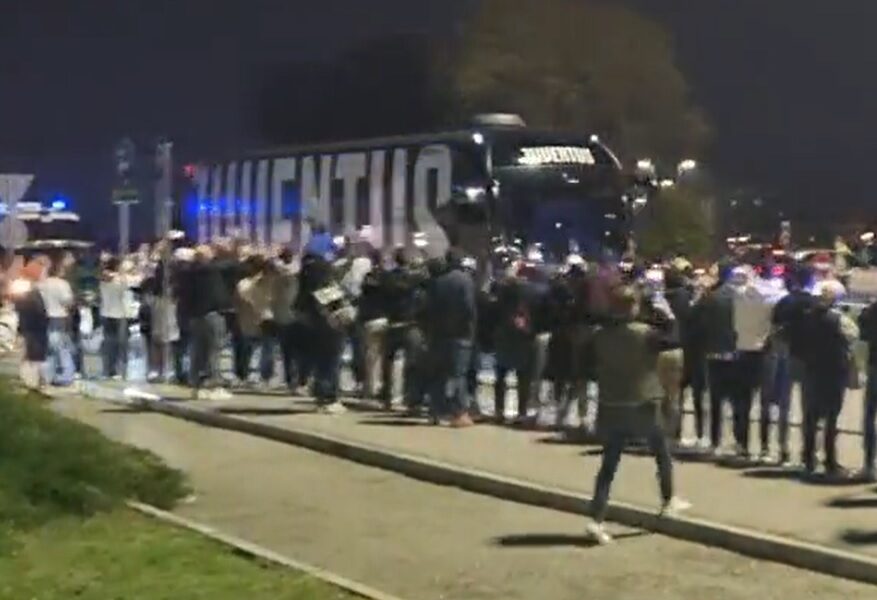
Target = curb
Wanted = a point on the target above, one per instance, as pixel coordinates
(256, 551)
(765, 546)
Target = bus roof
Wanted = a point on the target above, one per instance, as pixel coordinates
(490, 133)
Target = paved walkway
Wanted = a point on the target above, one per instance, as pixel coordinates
(765, 499)
(426, 542)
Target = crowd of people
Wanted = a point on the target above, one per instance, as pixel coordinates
(631, 344)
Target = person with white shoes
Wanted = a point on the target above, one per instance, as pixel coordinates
(625, 354)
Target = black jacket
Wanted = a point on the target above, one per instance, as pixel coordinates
(868, 331)
(714, 319)
(825, 349)
(203, 290)
(790, 319)
(452, 308)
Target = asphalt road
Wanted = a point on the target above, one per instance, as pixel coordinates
(421, 541)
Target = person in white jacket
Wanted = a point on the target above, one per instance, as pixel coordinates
(753, 309)
(58, 299)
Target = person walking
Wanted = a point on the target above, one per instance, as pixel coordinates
(625, 354)
(283, 298)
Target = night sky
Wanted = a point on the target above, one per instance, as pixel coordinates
(790, 86)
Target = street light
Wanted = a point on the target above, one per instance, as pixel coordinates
(686, 166)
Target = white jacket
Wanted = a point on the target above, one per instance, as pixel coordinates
(752, 317)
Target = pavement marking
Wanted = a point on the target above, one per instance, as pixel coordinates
(752, 543)
(257, 551)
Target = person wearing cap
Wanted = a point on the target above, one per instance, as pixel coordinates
(827, 362)
(625, 352)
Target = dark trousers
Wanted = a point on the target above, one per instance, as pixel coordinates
(241, 347)
(327, 367)
(612, 451)
(869, 426)
(723, 385)
(823, 401)
(115, 347)
(287, 338)
(695, 378)
(750, 369)
(395, 342)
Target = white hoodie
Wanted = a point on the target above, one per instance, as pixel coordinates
(753, 309)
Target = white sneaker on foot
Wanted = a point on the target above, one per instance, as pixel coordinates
(675, 506)
(221, 394)
(597, 532)
(336, 408)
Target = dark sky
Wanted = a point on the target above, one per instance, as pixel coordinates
(789, 85)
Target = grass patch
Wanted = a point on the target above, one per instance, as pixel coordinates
(52, 467)
(65, 532)
(123, 555)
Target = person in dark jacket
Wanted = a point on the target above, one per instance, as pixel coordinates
(326, 335)
(399, 286)
(826, 351)
(868, 334)
(789, 341)
(452, 317)
(206, 296)
(33, 323)
(714, 318)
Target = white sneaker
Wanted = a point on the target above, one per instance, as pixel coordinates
(336, 408)
(703, 444)
(598, 533)
(675, 506)
(221, 394)
(203, 394)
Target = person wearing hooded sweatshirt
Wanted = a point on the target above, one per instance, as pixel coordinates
(830, 334)
(625, 354)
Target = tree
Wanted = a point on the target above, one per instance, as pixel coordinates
(676, 220)
(584, 66)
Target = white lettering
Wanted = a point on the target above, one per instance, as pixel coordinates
(261, 212)
(398, 221)
(376, 197)
(215, 204)
(247, 201)
(230, 197)
(548, 155)
(284, 172)
(202, 177)
(350, 168)
(317, 197)
(436, 159)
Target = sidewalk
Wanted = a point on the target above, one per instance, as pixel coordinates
(764, 499)
(427, 542)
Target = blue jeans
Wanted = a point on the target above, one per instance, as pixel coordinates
(613, 448)
(776, 389)
(267, 345)
(870, 427)
(60, 364)
(449, 393)
(327, 370)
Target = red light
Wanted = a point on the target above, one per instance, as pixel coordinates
(189, 171)
(779, 270)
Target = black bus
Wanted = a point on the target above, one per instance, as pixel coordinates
(475, 188)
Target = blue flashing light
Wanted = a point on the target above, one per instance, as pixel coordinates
(59, 202)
